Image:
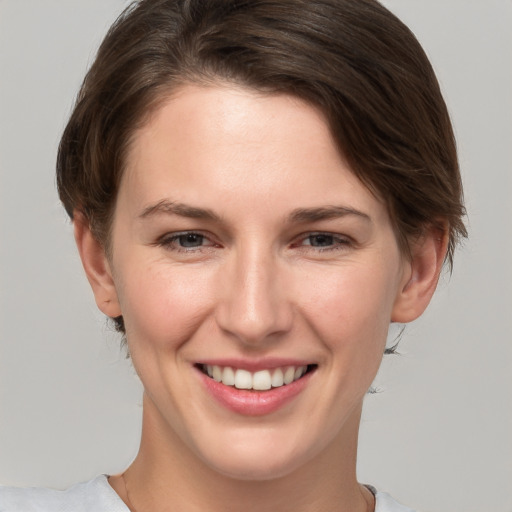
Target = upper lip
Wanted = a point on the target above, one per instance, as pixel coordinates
(255, 364)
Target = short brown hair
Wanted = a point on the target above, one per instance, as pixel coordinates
(353, 59)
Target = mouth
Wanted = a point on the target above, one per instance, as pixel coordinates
(261, 380)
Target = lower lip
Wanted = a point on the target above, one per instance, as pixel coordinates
(254, 403)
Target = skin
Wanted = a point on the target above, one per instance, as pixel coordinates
(257, 282)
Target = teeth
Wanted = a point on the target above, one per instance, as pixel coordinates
(217, 373)
(297, 375)
(289, 375)
(228, 376)
(261, 380)
(277, 378)
(243, 379)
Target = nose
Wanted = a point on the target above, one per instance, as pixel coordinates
(254, 308)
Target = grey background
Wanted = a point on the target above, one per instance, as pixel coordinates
(439, 435)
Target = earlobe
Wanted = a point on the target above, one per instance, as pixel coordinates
(422, 276)
(96, 266)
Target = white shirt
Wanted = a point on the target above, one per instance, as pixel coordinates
(97, 496)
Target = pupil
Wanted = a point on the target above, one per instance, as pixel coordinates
(321, 240)
(191, 240)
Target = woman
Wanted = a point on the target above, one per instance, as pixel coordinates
(258, 189)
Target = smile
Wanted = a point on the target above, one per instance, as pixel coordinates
(261, 380)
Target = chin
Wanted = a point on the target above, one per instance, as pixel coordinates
(256, 460)
(256, 470)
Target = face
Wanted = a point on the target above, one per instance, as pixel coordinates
(257, 278)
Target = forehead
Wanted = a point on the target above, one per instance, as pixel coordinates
(225, 143)
(238, 116)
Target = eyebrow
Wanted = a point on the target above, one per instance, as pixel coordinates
(325, 213)
(300, 215)
(182, 210)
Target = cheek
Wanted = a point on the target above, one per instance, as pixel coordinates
(162, 305)
(351, 308)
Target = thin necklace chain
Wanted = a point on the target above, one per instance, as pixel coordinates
(370, 505)
(130, 504)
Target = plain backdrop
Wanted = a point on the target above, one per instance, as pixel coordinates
(439, 434)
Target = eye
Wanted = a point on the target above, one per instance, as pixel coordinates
(323, 242)
(185, 241)
(190, 240)
(320, 240)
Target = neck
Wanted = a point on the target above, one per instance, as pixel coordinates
(166, 472)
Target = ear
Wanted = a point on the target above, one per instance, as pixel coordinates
(421, 274)
(96, 266)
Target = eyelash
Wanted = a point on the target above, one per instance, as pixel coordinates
(171, 242)
(338, 242)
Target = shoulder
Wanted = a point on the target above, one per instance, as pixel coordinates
(385, 503)
(93, 496)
